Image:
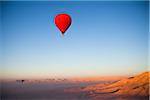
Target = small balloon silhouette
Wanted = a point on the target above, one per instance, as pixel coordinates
(63, 21)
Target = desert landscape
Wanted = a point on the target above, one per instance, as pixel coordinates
(130, 88)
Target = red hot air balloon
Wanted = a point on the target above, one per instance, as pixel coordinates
(63, 21)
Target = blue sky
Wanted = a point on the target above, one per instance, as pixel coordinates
(105, 38)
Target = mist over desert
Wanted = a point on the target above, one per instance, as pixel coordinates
(130, 88)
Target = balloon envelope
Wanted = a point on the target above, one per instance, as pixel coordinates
(63, 21)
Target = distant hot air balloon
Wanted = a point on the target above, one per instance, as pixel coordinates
(63, 21)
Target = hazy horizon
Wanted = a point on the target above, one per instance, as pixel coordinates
(105, 39)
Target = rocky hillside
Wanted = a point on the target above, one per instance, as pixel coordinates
(136, 87)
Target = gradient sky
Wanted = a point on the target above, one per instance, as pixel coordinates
(105, 38)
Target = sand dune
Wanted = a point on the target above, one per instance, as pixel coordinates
(134, 88)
